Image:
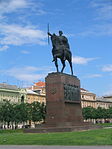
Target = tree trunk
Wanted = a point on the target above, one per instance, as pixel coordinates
(8, 123)
(12, 125)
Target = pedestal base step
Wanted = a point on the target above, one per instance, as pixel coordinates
(60, 129)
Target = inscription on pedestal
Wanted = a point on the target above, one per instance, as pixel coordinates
(71, 92)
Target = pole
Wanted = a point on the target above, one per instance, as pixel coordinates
(48, 32)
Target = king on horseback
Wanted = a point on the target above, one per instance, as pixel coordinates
(61, 49)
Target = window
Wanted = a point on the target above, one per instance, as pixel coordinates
(22, 99)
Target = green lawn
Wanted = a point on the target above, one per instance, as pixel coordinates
(91, 137)
(105, 124)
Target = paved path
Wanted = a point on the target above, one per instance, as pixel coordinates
(52, 147)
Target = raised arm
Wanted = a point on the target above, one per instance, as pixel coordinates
(49, 33)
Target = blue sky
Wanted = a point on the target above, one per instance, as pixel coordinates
(24, 51)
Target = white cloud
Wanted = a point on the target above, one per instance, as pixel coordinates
(27, 73)
(29, 77)
(107, 68)
(82, 60)
(93, 76)
(2, 17)
(102, 13)
(4, 48)
(19, 35)
(103, 9)
(25, 52)
(7, 6)
(10, 6)
(98, 30)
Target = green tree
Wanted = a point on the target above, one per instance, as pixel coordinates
(43, 111)
(101, 113)
(109, 112)
(1, 115)
(23, 113)
(88, 113)
(11, 114)
(38, 112)
(7, 113)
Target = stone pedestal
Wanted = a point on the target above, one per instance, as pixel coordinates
(63, 105)
(63, 100)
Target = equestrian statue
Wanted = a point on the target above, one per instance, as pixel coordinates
(61, 50)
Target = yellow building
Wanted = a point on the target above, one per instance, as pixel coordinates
(33, 96)
(90, 99)
(37, 92)
(87, 98)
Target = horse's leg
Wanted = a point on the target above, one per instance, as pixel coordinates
(70, 62)
(56, 64)
(63, 62)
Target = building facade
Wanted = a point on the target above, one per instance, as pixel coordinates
(12, 93)
(35, 97)
(36, 92)
(104, 102)
(87, 98)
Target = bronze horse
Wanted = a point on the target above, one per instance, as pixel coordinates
(63, 55)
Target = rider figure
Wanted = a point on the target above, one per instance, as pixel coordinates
(59, 43)
(63, 41)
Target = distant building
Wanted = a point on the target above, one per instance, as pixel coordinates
(39, 87)
(34, 96)
(90, 99)
(12, 93)
(104, 102)
(87, 98)
(37, 92)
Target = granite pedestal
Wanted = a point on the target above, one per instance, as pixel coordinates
(63, 100)
(63, 105)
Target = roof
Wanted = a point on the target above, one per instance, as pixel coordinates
(108, 96)
(31, 92)
(104, 99)
(7, 86)
(40, 84)
(83, 89)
